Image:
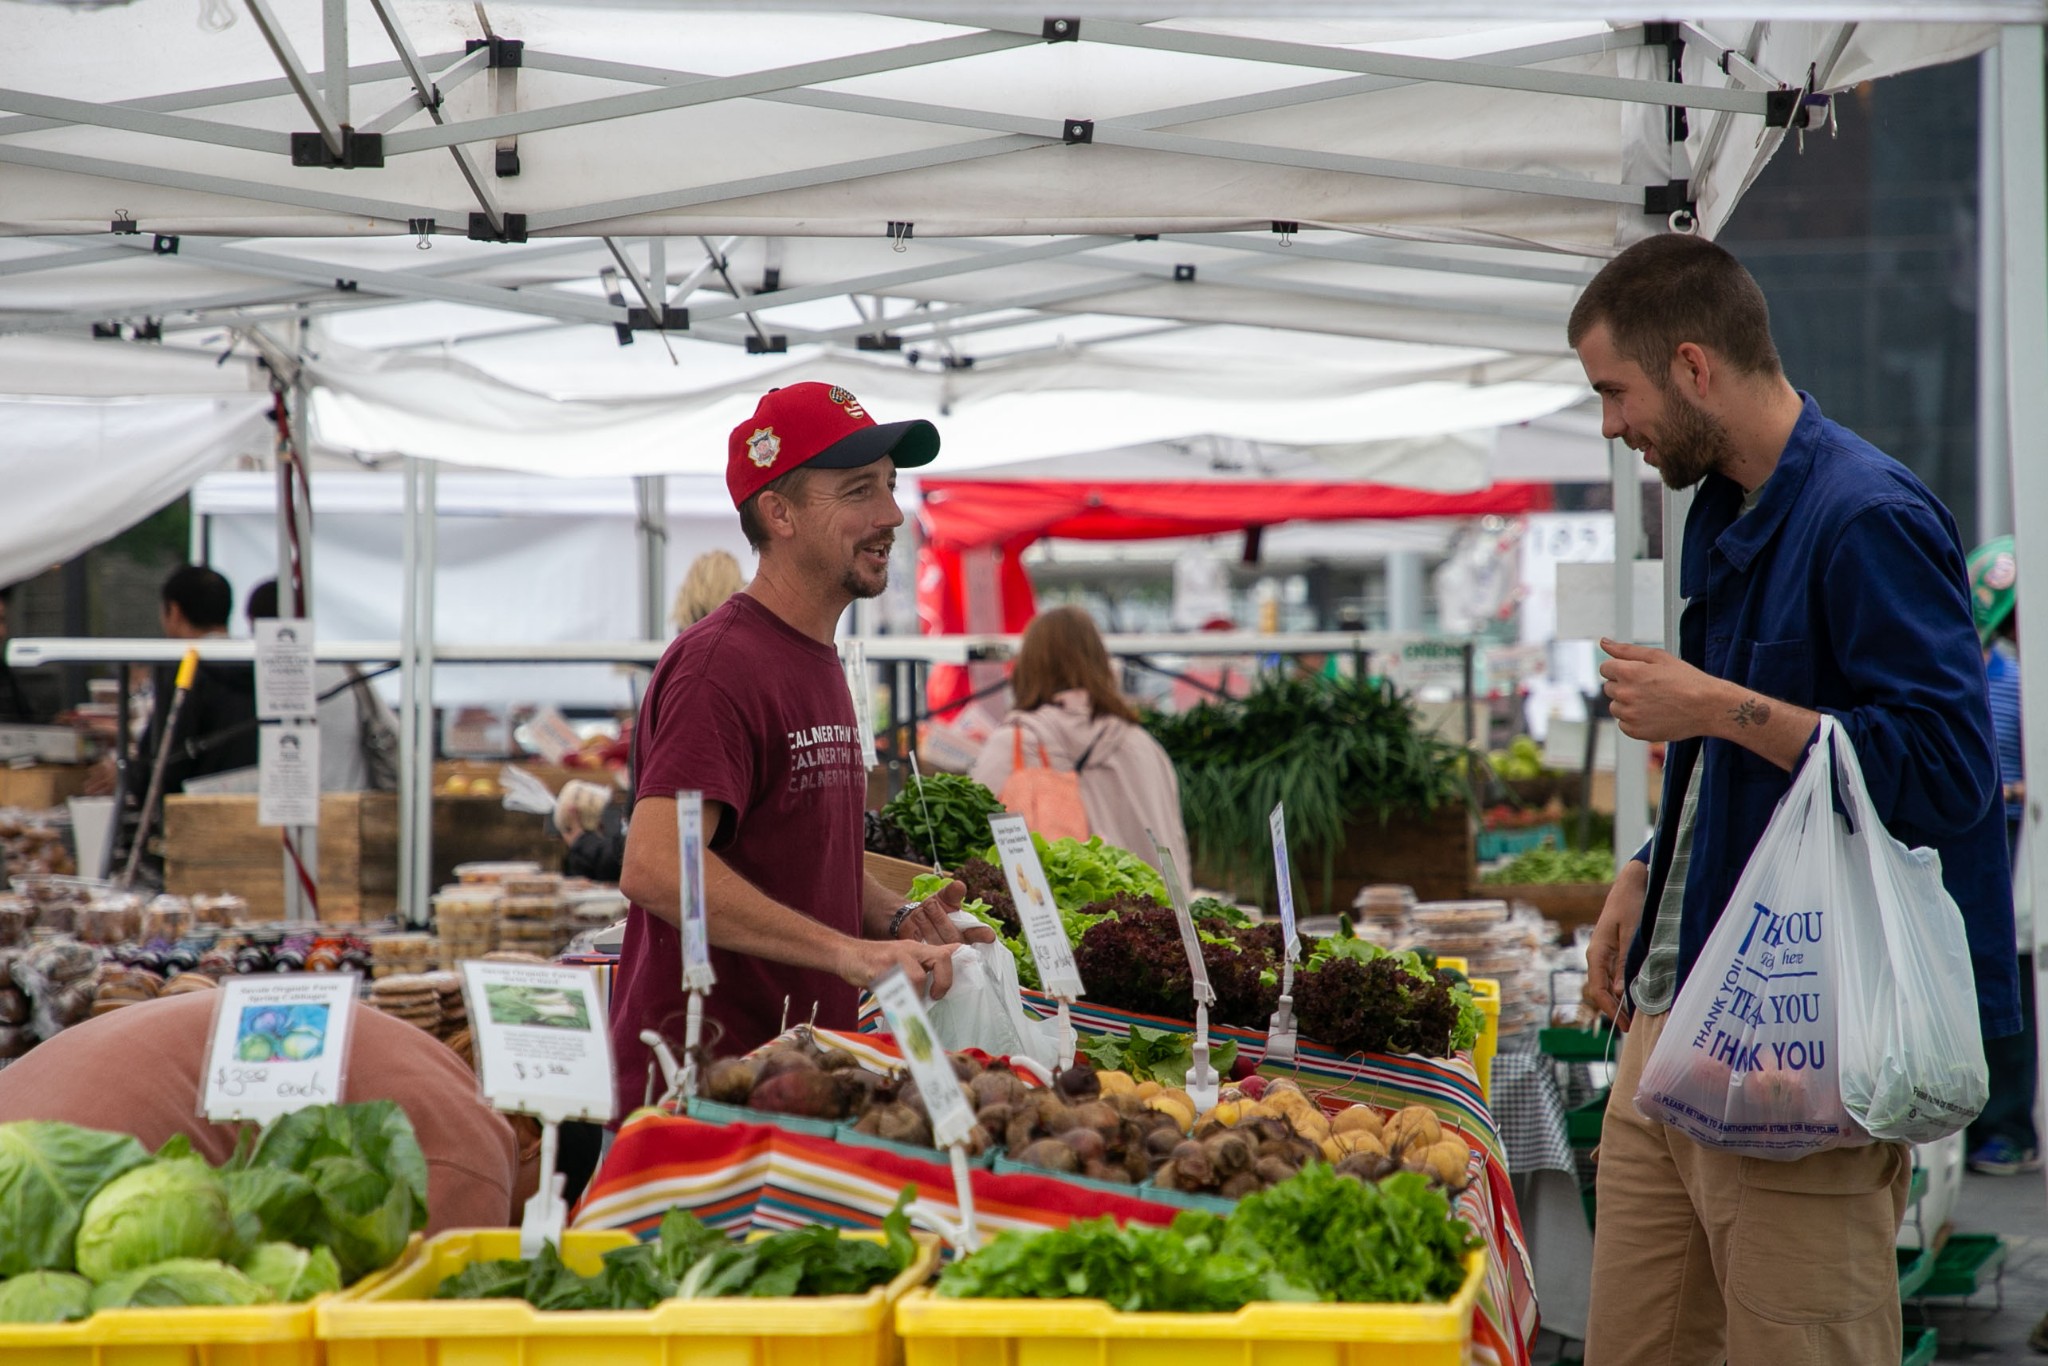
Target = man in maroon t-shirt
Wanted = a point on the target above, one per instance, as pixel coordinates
(750, 707)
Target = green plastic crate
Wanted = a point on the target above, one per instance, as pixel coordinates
(1921, 1345)
(1967, 1263)
(1582, 1126)
(1567, 1044)
(1915, 1266)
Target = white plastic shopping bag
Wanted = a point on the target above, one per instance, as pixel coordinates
(1834, 1002)
(1912, 1050)
(985, 1008)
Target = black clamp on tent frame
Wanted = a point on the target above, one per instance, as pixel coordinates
(122, 223)
(1671, 37)
(163, 246)
(878, 341)
(1673, 201)
(504, 51)
(1061, 30)
(480, 229)
(1183, 274)
(1078, 130)
(773, 344)
(358, 150)
(672, 319)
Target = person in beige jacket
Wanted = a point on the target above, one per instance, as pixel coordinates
(1069, 714)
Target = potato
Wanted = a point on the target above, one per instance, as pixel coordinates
(1183, 1115)
(1116, 1083)
(1146, 1090)
(1449, 1160)
(1357, 1119)
(1419, 1125)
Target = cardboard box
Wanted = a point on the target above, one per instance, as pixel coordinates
(213, 844)
(41, 785)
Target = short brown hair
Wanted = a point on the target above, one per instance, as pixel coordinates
(1063, 650)
(1676, 288)
(790, 486)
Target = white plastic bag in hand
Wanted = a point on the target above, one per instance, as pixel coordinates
(1912, 1050)
(1748, 1058)
(985, 1008)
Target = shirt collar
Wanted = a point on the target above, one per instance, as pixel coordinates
(1744, 537)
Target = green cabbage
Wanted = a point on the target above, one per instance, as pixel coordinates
(292, 1273)
(47, 1173)
(366, 1174)
(178, 1281)
(44, 1297)
(172, 1208)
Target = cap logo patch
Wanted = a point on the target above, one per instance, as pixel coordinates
(763, 447)
(846, 401)
(2001, 573)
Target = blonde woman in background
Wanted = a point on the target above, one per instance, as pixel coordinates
(712, 577)
(1069, 715)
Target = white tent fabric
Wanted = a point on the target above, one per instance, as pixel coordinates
(521, 560)
(77, 472)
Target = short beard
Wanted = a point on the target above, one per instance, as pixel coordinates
(1693, 444)
(857, 588)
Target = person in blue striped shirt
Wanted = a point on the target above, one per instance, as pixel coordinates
(2002, 1139)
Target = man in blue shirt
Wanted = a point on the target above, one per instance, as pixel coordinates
(1820, 577)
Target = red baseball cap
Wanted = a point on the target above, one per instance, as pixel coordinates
(822, 425)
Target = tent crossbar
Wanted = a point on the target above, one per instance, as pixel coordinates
(429, 98)
(58, 260)
(709, 90)
(334, 59)
(58, 112)
(348, 205)
(714, 257)
(1394, 258)
(213, 97)
(295, 72)
(1436, 70)
(438, 86)
(162, 309)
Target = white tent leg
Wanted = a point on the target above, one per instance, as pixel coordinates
(408, 699)
(423, 698)
(1631, 757)
(1405, 577)
(2023, 149)
(650, 501)
(1994, 449)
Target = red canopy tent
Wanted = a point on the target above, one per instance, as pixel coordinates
(963, 516)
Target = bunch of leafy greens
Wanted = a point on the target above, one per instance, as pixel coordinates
(1392, 1241)
(1334, 749)
(945, 816)
(1161, 1055)
(1133, 959)
(1084, 872)
(48, 1171)
(1548, 864)
(1315, 1236)
(1356, 997)
(349, 1178)
(686, 1260)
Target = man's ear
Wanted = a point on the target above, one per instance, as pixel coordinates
(1692, 369)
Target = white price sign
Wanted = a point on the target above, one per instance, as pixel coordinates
(279, 1044)
(1030, 890)
(284, 669)
(1284, 874)
(543, 1046)
(944, 1098)
(288, 774)
(1205, 994)
(697, 972)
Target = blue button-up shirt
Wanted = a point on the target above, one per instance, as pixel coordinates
(1843, 592)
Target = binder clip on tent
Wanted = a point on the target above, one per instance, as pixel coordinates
(1281, 1034)
(1203, 1085)
(952, 1114)
(1058, 974)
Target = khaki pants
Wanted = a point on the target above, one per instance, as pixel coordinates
(1701, 1256)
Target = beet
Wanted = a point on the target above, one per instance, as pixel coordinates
(1050, 1154)
(810, 1094)
(1086, 1143)
(784, 1060)
(730, 1081)
(1078, 1084)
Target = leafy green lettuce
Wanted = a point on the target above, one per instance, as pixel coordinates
(1161, 1055)
(48, 1171)
(350, 1178)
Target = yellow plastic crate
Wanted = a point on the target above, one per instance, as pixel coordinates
(242, 1335)
(1485, 995)
(944, 1332)
(395, 1321)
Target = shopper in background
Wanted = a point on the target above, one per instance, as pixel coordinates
(137, 1070)
(358, 733)
(711, 578)
(14, 703)
(750, 707)
(1820, 576)
(1069, 719)
(2002, 1139)
(594, 852)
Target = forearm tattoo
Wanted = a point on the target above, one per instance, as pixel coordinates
(1751, 712)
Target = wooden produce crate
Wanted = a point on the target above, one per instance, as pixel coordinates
(894, 873)
(37, 786)
(213, 844)
(1434, 853)
(1570, 904)
(481, 830)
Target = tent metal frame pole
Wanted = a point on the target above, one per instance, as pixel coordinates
(423, 695)
(408, 693)
(334, 59)
(2023, 151)
(1677, 503)
(650, 502)
(59, 260)
(438, 88)
(302, 842)
(63, 112)
(295, 72)
(347, 205)
(1631, 757)
(1392, 257)
(1994, 448)
(429, 98)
